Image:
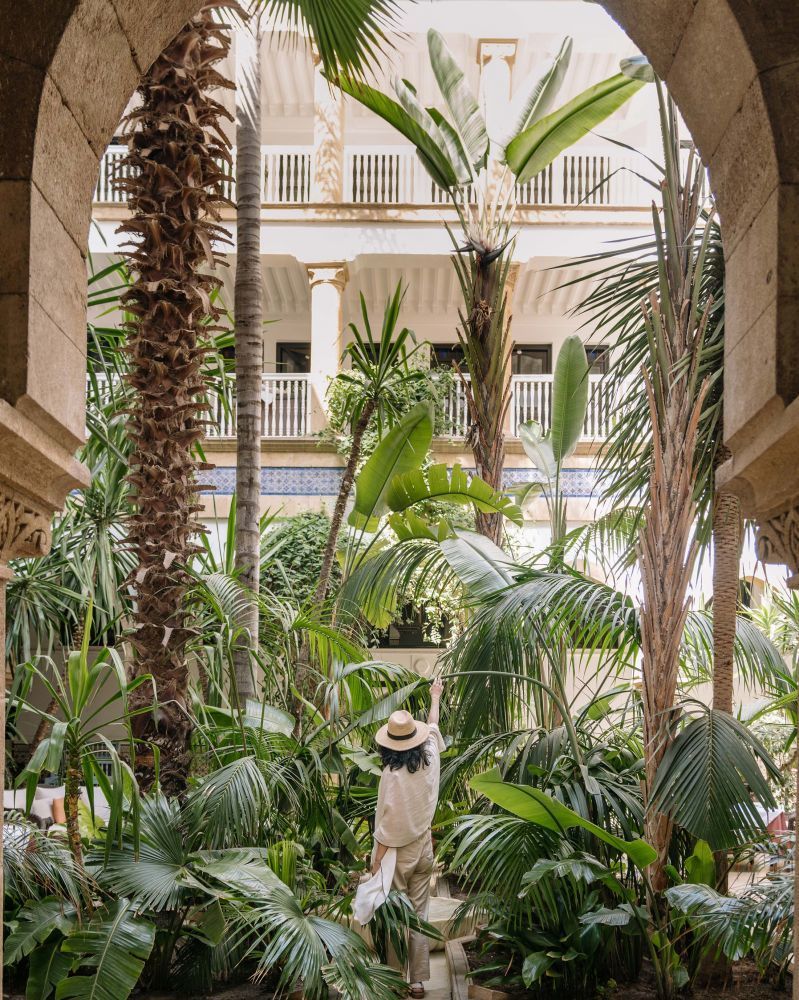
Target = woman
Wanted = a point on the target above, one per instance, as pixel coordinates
(406, 802)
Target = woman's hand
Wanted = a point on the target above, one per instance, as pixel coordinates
(435, 699)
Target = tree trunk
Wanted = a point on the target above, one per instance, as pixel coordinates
(345, 489)
(484, 338)
(249, 344)
(71, 800)
(176, 161)
(727, 544)
(666, 556)
(303, 672)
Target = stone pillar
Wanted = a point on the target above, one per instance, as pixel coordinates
(778, 542)
(327, 286)
(5, 576)
(327, 184)
(24, 531)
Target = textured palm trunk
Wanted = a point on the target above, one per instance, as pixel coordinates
(727, 544)
(178, 160)
(71, 800)
(484, 338)
(727, 541)
(249, 346)
(666, 554)
(345, 489)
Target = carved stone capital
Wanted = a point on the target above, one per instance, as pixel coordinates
(328, 274)
(778, 542)
(24, 528)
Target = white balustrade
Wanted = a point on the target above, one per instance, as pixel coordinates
(393, 175)
(456, 410)
(286, 178)
(285, 410)
(531, 399)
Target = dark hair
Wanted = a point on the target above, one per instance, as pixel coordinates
(412, 759)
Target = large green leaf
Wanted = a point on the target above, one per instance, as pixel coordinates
(35, 922)
(48, 966)
(436, 126)
(538, 447)
(537, 807)
(462, 104)
(708, 778)
(455, 485)
(428, 143)
(537, 146)
(114, 945)
(402, 450)
(536, 102)
(569, 397)
(481, 566)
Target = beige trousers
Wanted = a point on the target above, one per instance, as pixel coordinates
(412, 876)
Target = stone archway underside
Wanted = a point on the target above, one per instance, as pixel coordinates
(67, 70)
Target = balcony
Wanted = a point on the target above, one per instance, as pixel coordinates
(393, 175)
(286, 401)
(285, 409)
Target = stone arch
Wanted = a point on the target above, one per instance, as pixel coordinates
(67, 71)
(65, 76)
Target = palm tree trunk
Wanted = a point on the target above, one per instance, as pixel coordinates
(71, 800)
(249, 344)
(666, 552)
(344, 491)
(176, 159)
(727, 544)
(484, 338)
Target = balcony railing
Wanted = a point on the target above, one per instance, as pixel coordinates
(393, 175)
(285, 409)
(531, 399)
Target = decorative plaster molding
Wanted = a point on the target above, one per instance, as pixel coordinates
(778, 542)
(496, 48)
(328, 274)
(24, 529)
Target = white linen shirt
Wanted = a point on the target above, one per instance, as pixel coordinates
(407, 802)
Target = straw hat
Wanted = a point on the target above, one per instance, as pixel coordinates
(402, 732)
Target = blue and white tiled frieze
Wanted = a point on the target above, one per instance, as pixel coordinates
(279, 480)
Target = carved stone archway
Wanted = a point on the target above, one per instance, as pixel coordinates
(68, 67)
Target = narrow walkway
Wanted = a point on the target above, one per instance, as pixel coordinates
(438, 987)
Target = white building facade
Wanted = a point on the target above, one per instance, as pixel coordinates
(349, 210)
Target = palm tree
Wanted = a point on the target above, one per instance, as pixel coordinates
(377, 389)
(462, 160)
(627, 275)
(178, 156)
(248, 321)
(675, 319)
(348, 38)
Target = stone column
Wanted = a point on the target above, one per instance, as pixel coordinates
(327, 184)
(327, 286)
(24, 531)
(496, 58)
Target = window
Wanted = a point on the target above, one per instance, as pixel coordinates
(293, 358)
(598, 356)
(533, 359)
(445, 355)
